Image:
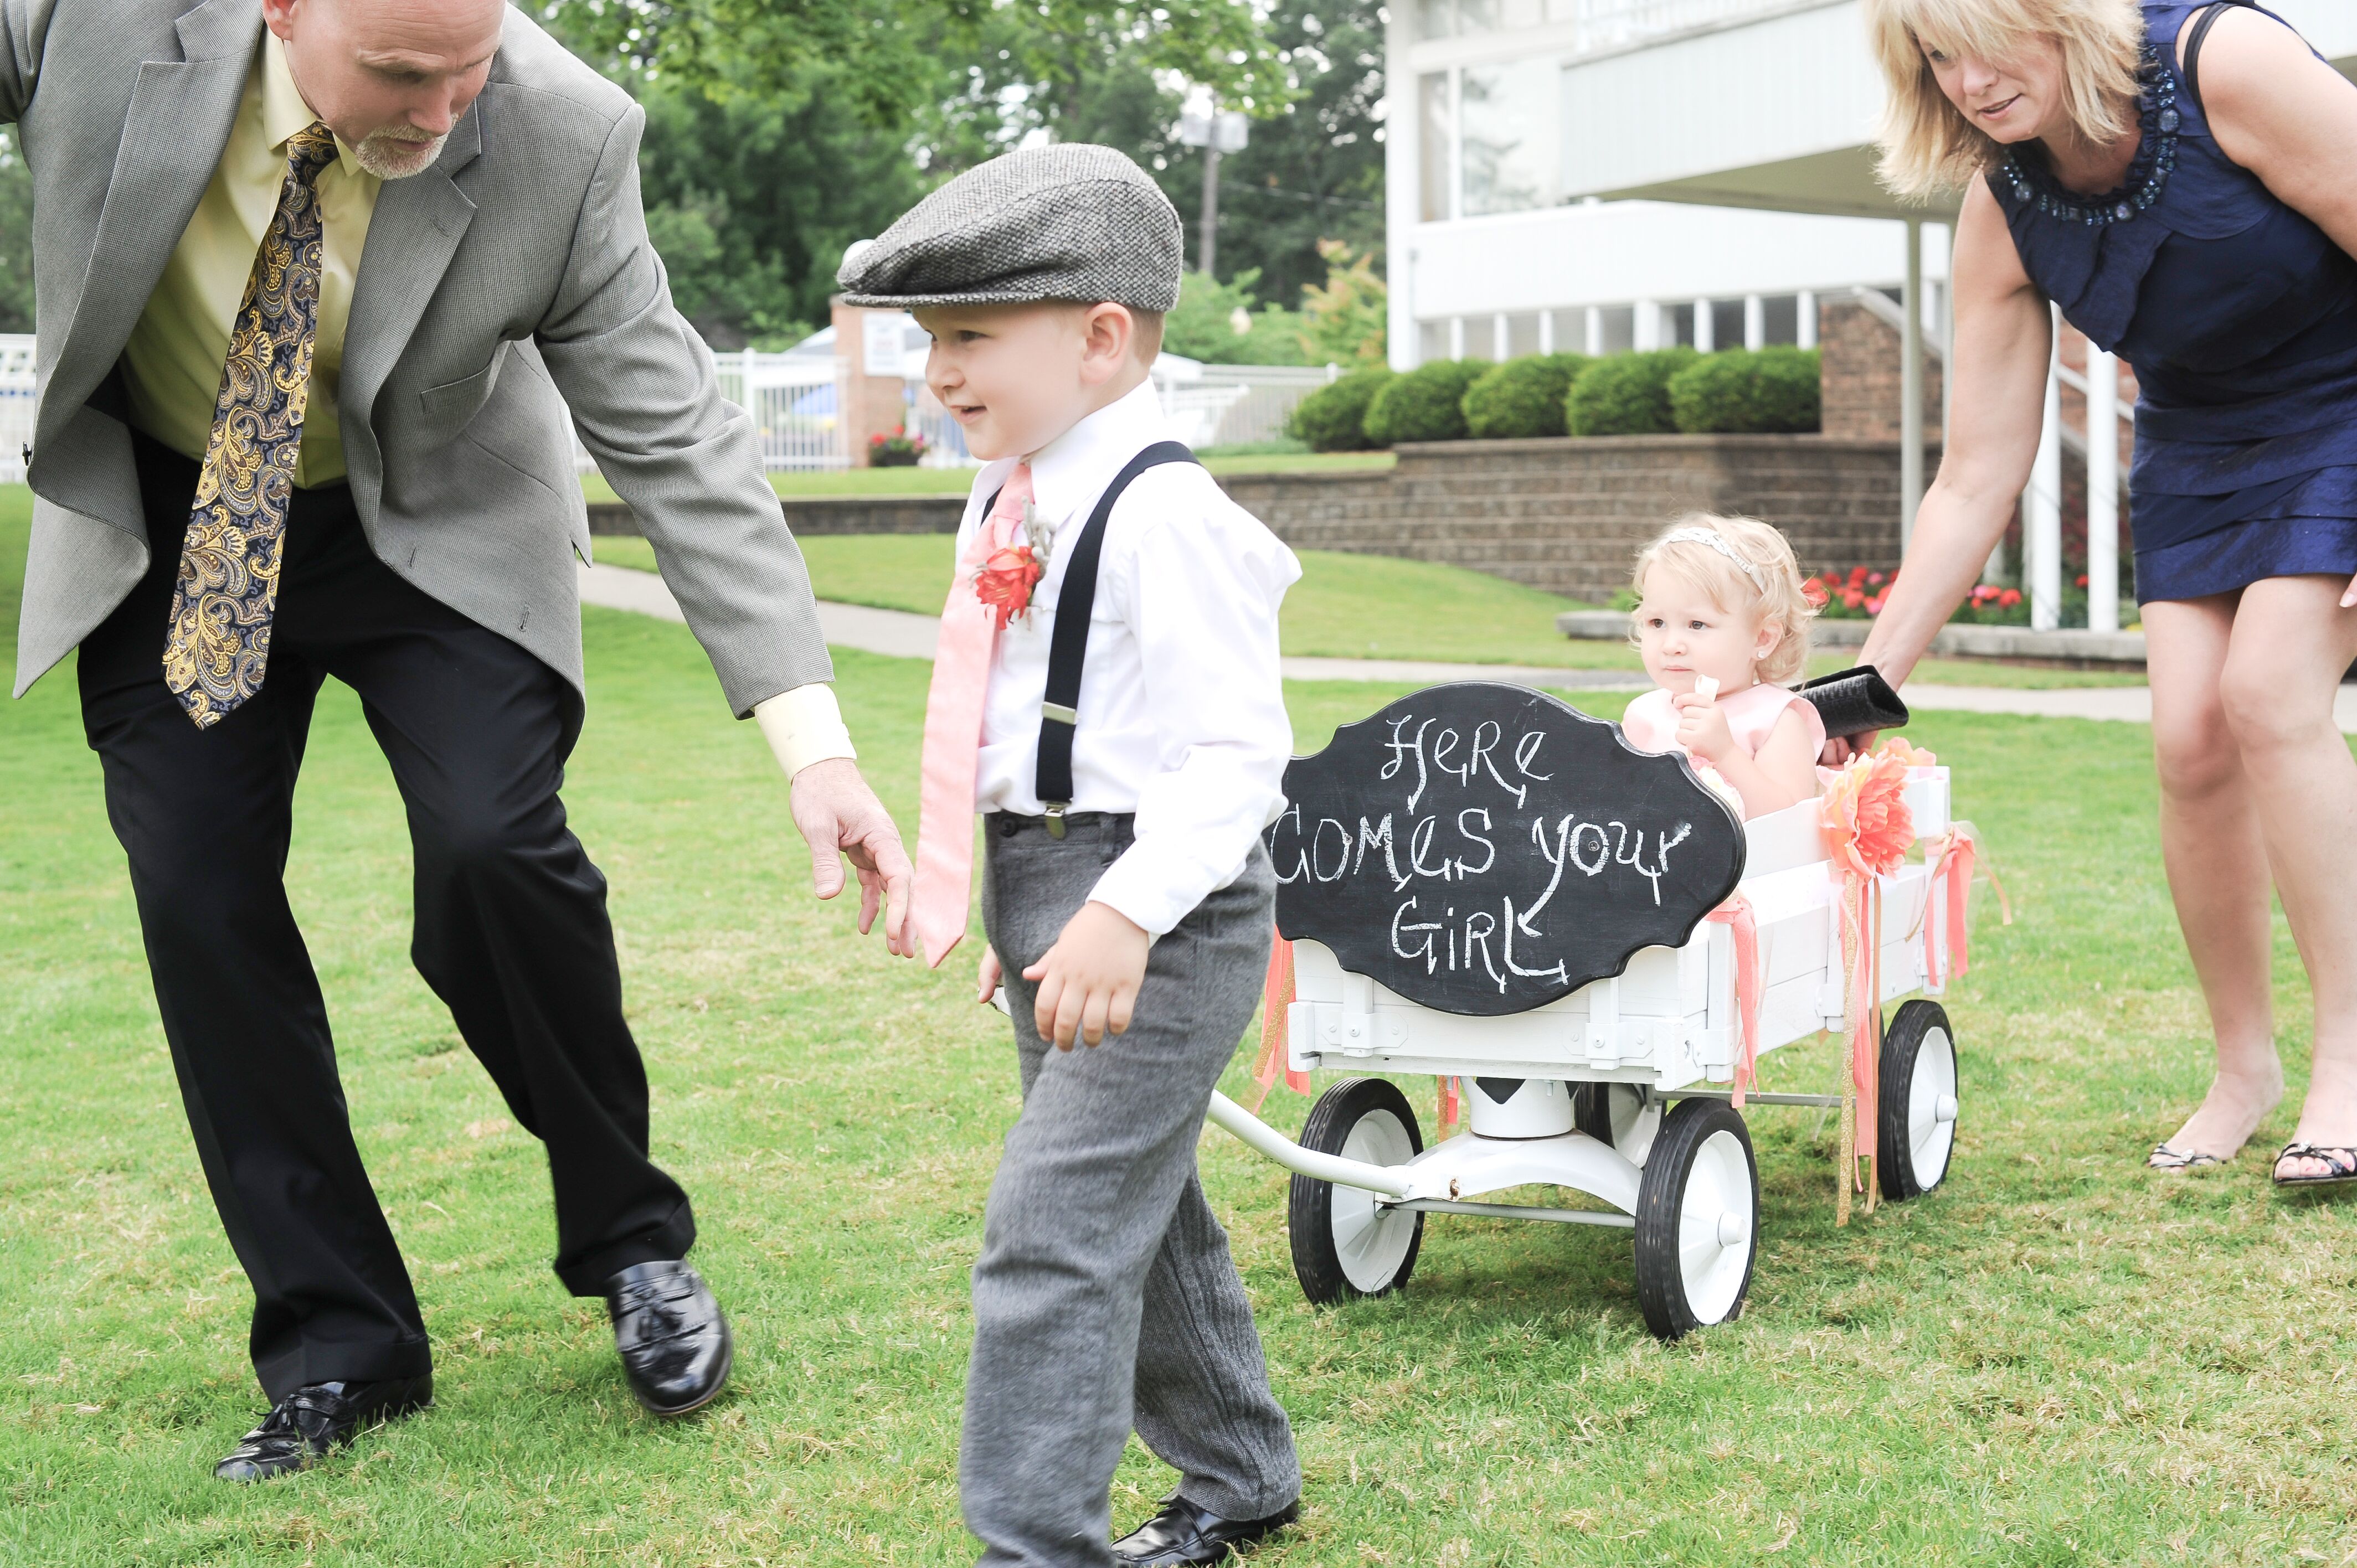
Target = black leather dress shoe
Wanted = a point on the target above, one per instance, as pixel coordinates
(1184, 1534)
(303, 1427)
(674, 1344)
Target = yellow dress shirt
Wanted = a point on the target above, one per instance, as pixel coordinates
(173, 362)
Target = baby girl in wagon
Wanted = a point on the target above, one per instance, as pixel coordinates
(1722, 623)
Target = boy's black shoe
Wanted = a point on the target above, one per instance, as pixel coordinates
(1184, 1534)
(303, 1427)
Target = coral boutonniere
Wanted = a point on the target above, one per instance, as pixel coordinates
(1005, 579)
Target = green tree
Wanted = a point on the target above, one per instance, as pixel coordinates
(1313, 170)
(1202, 324)
(16, 239)
(1347, 321)
(752, 196)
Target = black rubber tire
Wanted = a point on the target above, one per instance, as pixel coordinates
(1309, 1204)
(1661, 1196)
(1591, 1111)
(1902, 1042)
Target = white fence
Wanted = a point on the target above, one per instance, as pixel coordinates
(16, 396)
(795, 402)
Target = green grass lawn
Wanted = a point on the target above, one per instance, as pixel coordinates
(1345, 607)
(956, 481)
(2057, 1359)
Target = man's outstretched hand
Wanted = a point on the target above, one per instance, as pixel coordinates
(841, 819)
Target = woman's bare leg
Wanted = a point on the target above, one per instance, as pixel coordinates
(2218, 871)
(2290, 644)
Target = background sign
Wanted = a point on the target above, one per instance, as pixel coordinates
(1483, 849)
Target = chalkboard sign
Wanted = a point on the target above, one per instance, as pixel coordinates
(1485, 849)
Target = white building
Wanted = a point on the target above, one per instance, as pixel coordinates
(1602, 175)
(1599, 175)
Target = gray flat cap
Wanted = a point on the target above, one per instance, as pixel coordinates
(1064, 221)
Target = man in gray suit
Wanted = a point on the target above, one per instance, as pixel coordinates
(318, 282)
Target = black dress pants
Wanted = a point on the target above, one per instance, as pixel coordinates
(511, 929)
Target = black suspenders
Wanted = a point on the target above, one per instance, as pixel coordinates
(1069, 644)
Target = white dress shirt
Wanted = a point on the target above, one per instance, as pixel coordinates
(1182, 713)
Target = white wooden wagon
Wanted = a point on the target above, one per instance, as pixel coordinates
(1621, 1090)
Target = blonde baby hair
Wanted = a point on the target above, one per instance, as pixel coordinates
(1747, 567)
(1927, 146)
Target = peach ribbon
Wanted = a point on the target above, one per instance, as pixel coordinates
(1452, 1105)
(1737, 916)
(1956, 857)
(1276, 1003)
(1861, 1117)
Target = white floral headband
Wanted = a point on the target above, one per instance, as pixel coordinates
(1717, 541)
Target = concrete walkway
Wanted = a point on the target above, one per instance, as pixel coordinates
(901, 635)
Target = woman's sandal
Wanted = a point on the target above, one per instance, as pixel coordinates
(2163, 1158)
(2340, 1164)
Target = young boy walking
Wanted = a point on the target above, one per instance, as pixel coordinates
(1106, 693)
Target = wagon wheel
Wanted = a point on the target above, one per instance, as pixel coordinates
(1697, 1220)
(1622, 1116)
(1345, 1244)
(1918, 1132)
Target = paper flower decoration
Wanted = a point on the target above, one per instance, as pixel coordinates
(1005, 580)
(1864, 811)
(1912, 756)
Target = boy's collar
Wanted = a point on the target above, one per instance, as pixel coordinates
(1077, 464)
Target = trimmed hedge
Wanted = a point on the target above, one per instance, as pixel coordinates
(1426, 403)
(1628, 394)
(1334, 417)
(1523, 397)
(1748, 391)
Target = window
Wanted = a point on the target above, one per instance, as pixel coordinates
(1431, 341)
(1436, 18)
(1521, 335)
(1434, 159)
(1477, 16)
(1726, 324)
(1783, 316)
(1619, 328)
(1508, 133)
(1677, 325)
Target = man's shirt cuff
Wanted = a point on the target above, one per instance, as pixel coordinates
(804, 725)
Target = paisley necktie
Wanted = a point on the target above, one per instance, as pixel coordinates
(218, 645)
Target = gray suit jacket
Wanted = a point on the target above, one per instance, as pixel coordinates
(516, 268)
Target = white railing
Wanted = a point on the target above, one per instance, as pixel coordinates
(1233, 405)
(795, 402)
(17, 388)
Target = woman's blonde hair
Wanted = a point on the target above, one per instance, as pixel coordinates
(1927, 143)
(1776, 596)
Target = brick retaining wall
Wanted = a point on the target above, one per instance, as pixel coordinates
(1565, 514)
(1568, 514)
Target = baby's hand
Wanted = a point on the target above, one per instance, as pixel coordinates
(1088, 980)
(1702, 727)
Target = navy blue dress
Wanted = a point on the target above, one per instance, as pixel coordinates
(2240, 316)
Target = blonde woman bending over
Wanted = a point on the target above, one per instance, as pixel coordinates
(2175, 178)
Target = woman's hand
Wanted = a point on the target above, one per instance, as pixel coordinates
(987, 976)
(1702, 727)
(2349, 594)
(1840, 748)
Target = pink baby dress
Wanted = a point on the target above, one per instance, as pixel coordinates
(1652, 723)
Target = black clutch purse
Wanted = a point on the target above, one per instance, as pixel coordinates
(1854, 700)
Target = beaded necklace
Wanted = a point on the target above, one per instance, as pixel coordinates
(2156, 112)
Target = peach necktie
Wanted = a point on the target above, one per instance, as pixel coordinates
(953, 733)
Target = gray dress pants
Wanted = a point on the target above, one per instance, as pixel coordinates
(1105, 1294)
